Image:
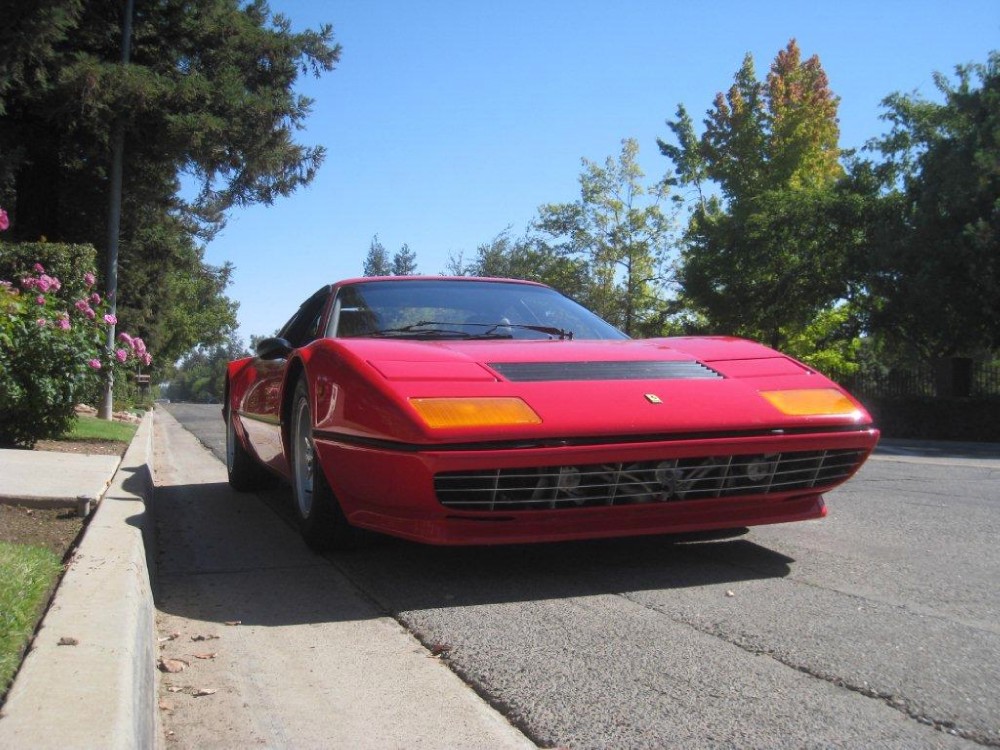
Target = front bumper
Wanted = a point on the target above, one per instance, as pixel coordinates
(395, 491)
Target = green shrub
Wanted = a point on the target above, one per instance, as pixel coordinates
(53, 339)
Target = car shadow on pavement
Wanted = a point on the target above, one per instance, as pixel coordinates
(224, 557)
(406, 576)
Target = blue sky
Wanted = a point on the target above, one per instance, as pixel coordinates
(446, 122)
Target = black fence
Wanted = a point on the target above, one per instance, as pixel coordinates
(893, 384)
(986, 379)
(955, 399)
(951, 378)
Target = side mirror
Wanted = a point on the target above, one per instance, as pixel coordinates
(274, 348)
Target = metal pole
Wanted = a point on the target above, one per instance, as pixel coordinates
(114, 219)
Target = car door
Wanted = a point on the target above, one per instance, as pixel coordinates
(261, 409)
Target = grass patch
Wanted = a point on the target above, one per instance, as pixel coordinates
(92, 428)
(27, 575)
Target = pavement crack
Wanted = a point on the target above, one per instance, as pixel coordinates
(895, 702)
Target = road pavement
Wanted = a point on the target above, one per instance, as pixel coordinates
(877, 626)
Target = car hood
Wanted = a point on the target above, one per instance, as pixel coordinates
(503, 350)
(666, 386)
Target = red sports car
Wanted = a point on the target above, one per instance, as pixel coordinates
(487, 411)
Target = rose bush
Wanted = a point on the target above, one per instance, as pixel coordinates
(53, 351)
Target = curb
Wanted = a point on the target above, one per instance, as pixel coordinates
(101, 691)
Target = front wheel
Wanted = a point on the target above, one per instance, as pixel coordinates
(244, 473)
(321, 520)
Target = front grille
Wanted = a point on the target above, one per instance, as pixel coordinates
(669, 480)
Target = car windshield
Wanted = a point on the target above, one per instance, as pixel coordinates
(462, 309)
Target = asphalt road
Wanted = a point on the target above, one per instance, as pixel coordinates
(878, 626)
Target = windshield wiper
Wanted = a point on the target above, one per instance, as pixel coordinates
(418, 330)
(559, 333)
(495, 330)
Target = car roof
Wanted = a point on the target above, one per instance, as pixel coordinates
(406, 279)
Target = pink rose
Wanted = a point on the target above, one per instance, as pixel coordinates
(4, 220)
(121, 355)
(147, 359)
(94, 364)
(42, 322)
(95, 299)
(64, 324)
(110, 319)
(126, 339)
(89, 279)
(82, 306)
(40, 299)
(39, 268)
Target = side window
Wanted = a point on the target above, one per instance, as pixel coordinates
(304, 325)
(312, 330)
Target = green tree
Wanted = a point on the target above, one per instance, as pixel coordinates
(934, 279)
(208, 95)
(404, 262)
(619, 231)
(772, 231)
(377, 260)
(200, 377)
(526, 258)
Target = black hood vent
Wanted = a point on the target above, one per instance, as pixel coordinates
(537, 372)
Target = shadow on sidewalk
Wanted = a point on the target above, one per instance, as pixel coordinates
(225, 556)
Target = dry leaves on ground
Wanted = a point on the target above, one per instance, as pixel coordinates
(172, 666)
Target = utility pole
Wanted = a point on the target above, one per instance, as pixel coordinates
(115, 216)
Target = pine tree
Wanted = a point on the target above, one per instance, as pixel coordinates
(404, 262)
(209, 94)
(377, 260)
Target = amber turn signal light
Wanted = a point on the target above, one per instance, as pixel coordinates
(812, 402)
(443, 413)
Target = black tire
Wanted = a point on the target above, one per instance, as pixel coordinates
(321, 520)
(245, 474)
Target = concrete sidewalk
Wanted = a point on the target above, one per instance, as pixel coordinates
(49, 479)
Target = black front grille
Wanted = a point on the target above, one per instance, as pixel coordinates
(558, 371)
(669, 480)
